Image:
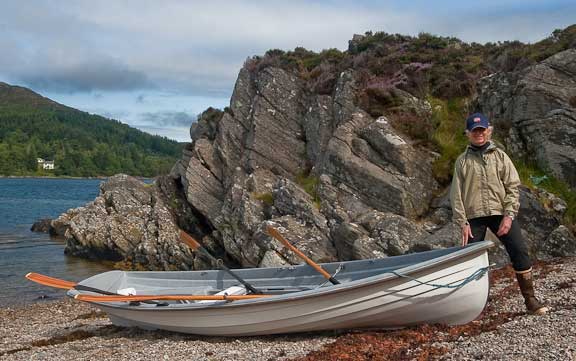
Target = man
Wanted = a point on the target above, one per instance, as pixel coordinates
(485, 194)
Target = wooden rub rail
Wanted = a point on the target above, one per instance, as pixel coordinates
(136, 298)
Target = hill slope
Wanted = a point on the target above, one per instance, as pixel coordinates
(81, 144)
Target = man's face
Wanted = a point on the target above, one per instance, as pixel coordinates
(478, 136)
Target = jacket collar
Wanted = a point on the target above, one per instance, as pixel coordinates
(491, 148)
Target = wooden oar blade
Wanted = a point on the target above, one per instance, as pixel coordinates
(50, 281)
(136, 298)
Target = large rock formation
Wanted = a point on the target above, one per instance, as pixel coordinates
(251, 165)
(340, 183)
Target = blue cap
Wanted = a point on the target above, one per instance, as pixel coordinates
(477, 120)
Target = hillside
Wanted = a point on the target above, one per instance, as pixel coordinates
(81, 144)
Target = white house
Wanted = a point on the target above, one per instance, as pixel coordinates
(46, 164)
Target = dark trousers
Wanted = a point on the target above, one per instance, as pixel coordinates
(512, 241)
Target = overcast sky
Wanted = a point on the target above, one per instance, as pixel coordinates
(156, 64)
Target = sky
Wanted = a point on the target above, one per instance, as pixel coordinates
(156, 65)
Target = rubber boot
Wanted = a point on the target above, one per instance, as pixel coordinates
(527, 288)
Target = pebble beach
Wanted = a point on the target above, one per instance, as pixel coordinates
(70, 330)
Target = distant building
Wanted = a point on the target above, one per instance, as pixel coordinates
(49, 164)
(45, 164)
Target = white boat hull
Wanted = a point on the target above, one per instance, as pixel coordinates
(385, 301)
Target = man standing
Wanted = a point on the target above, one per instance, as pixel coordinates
(485, 194)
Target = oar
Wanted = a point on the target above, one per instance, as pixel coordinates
(63, 284)
(274, 233)
(68, 285)
(143, 298)
(192, 243)
(50, 281)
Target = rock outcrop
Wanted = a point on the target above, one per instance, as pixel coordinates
(536, 108)
(128, 221)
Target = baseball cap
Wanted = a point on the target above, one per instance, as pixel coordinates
(477, 120)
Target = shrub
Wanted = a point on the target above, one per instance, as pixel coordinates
(413, 125)
(449, 138)
(310, 184)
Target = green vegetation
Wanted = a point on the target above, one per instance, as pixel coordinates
(532, 176)
(447, 116)
(310, 184)
(443, 67)
(79, 143)
(266, 198)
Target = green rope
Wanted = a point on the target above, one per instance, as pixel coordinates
(473, 277)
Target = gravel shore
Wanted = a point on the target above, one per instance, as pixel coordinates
(69, 330)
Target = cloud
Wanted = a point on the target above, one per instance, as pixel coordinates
(197, 48)
(179, 134)
(168, 119)
(100, 75)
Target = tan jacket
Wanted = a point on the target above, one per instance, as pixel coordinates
(484, 185)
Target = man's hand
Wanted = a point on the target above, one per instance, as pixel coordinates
(466, 234)
(505, 226)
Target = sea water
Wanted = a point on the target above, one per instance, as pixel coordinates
(23, 201)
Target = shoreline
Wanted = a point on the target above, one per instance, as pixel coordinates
(66, 177)
(70, 330)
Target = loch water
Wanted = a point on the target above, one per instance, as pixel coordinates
(23, 201)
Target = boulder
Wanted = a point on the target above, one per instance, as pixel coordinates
(536, 220)
(560, 243)
(42, 225)
(129, 221)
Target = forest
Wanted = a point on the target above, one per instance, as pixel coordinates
(79, 143)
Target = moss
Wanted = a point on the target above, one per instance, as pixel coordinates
(266, 198)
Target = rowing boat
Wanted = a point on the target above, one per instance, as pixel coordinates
(447, 286)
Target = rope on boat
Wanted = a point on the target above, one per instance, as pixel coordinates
(477, 275)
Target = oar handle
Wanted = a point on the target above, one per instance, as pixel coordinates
(274, 233)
